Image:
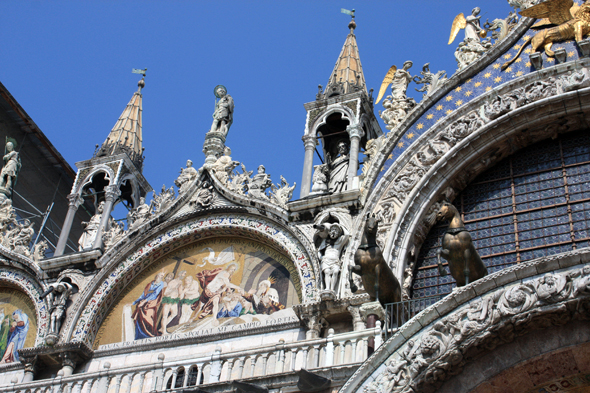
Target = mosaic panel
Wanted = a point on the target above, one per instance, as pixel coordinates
(212, 283)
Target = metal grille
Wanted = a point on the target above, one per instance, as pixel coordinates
(532, 204)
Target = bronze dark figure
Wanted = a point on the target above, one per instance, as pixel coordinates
(378, 279)
(457, 248)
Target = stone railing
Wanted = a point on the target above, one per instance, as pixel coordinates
(336, 349)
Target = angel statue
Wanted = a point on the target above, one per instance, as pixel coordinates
(11, 167)
(568, 21)
(398, 104)
(473, 30)
(224, 111)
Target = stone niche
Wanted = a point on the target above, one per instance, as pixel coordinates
(212, 288)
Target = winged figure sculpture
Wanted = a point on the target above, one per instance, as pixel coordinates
(569, 21)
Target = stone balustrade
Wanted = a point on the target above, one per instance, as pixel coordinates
(335, 349)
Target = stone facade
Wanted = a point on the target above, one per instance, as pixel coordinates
(222, 285)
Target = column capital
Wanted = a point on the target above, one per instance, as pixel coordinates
(75, 200)
(111, 193)
(355, 131)
(309, 141)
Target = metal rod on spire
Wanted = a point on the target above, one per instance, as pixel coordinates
(352, 24)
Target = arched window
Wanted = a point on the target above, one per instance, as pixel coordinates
(532, 204)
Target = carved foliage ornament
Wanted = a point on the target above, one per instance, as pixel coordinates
(440, 351)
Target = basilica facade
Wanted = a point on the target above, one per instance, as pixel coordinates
(447, 253)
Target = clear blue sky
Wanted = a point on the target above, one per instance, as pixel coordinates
(68, 63)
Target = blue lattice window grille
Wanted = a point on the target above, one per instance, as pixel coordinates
(532, 204)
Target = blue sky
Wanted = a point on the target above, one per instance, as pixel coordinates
(68, 63)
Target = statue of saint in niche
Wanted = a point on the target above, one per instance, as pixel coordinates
(339, 169)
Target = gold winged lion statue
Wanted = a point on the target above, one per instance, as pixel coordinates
(572, 22)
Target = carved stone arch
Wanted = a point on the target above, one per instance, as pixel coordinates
(108, 171)
(331, 109)
(482, 149)
(135, 191)
(470, 142)
(101, 293)
(437, 347)
(29, 284)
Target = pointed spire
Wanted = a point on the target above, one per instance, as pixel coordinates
(126, 135)
(347, 76)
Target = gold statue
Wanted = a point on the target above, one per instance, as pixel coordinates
(572, 22)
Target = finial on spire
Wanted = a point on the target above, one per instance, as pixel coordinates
(141, 83)
(352, 24)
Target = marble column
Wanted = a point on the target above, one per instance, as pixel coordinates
(371, 313)
(75, 202)
(67, 364)
(310, 142)
(30, 370)
(111, 195)
(355, 133)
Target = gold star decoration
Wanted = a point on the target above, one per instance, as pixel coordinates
(458, 89)
(429, 116)
(420, 126)
(439, 107)
(496, 66)
(401, 144)
(382, 169)
(389, 157)
(570, 54)
(519, 73)
(449, 98)
(468, 80)
(459, 102)
(527, 64)
(526, 37)
(410, 135)
(528, 51)
(439, 119)
(488, 88)
(517, 46)
(487, 75)
(468, 93)
(498, 79)
(448, 112)
(550, 60)
(509, 69)
(518, 60)
(507, 56)
(477, 84)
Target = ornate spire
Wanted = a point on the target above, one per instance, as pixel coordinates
(347, 76)
(125, 137)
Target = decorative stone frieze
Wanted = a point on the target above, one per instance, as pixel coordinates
(437, 343)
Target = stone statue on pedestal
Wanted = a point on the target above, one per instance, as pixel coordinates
(10, 170)
(90, 229)
(224, 111)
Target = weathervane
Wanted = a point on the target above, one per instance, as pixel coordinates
(139, 71)
(352, 24)
(347, 12)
